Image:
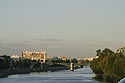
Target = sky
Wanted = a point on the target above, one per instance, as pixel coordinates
(72, 28)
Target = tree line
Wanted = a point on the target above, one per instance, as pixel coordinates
(109, 67)
(7, 63)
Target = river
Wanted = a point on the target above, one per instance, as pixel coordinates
(83, 75)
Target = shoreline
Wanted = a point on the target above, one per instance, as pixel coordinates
(51, 68)
(6, 73)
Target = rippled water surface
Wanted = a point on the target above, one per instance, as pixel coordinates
(83, 75)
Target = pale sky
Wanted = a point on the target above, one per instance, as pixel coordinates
(73, 28)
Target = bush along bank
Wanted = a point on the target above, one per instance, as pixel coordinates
(6, 73)
(109, 67)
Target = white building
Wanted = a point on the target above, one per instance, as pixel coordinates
(35, 56)
(91, 58)
(15, 57)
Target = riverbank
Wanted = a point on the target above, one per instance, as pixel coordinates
(82, 75)
(5, 73)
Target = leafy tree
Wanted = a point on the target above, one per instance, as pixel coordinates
(98, 52)
(74, 60)
(1, 64)
(68, 61)
(5, 62)
(109, 66)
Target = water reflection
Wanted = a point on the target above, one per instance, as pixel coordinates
(83, 75)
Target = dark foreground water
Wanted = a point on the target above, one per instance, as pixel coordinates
(83, 75)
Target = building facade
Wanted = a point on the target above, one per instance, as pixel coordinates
(35, 56)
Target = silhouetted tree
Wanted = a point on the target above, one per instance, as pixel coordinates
(74, 60)
(98, 52)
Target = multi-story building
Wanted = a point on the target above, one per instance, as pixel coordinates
(35, 56)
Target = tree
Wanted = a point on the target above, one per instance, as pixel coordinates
(109, 66)
(1, 64)
(68, 61)
(98, 52)
(74, 60)
(107, 52)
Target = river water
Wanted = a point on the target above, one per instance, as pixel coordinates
(83, 75)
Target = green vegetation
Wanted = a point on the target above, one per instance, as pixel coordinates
(86, 63)
(7, 63)
(22, 63)
(74, 60)
(109, 67)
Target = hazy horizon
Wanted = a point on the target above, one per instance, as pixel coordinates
(72, 28)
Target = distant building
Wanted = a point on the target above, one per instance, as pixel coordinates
(121, 50)
(91, 58)
(15, 57)
(35, 56)
(64, 58)
(49, 57)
